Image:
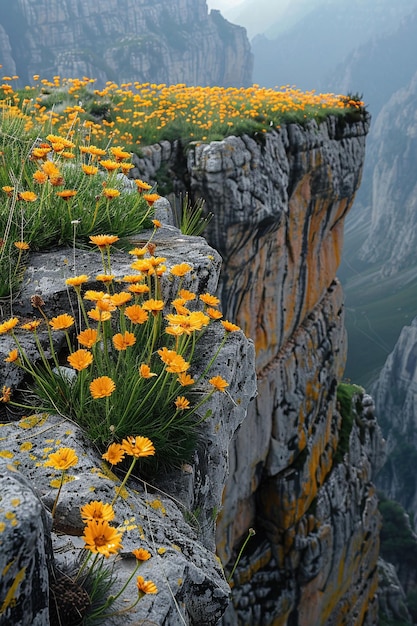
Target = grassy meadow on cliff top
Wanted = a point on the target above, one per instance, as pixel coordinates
(141, 114)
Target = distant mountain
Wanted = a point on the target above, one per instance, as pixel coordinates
(157, 41)
(310, 50)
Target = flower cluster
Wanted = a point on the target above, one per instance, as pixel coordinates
(101, 538)
(130, 364)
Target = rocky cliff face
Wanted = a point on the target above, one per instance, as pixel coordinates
(123, 41)
(279, 202)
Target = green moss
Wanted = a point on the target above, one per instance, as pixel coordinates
(346, 394)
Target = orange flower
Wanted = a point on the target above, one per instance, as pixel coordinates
(62, 459)
(146, 586)
(123, 341)
(31, 325)
(40, 177)
(121, 298)
(77, 281)
(102, 538)
(27, 196)
(96, 510)
(138, 289)
(109, 165)
(214, 314)
(61, 322)
(102, 387)
(208, 299)
(218, 383)
(67, 143)
(88, 337)
(66, 194)
(102, 241)
(105, 278)
(80, 359)
(132, 278)
(186, 295)
(153, 305)
(21, 245)
(141, 554)
(181, 269)
(8, 325)
(93, 150)
(229, 327)
(119, 154)
(142, 186)
(145, 371)
(174, 362)
(89, 170)
(138, 446)
(138, 251)
(150, 199)
(8, 190)
(114, 454)
(12, 357)
(92, 294)
(185, 379)
(136, 314)
(98, 315)
(182, 403)
(110, 193)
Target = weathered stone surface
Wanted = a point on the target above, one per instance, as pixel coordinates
(392, 599)
(124, 41)
(279, 201)
(25, 551)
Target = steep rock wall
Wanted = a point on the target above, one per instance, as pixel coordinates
(279, 201)
(124, 40)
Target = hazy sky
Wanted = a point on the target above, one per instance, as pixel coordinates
(223, 4)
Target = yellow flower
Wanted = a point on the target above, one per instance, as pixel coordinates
(28, 196)
(102, 538)
(110, 193)
(32, 326)
(61, 322)
(208, 299)
(66, 194)
(150, 199)
(105, 278)
(138, 446)
(62, 459)
(186, 295)
(89, 170)
(132, 278)
(8, 325)
(12, 357)
(8, 190)
(93, 150)
(67, 143)
(96, 510)
(109, 165)
(141, 554)
(124, 341)
(119, 154)
(174, 362)
(189, 323)
(214, 314)
(80, 359)
(145, 371)
(98, 315)
(182, 403)
(6, 393)
(146, 586)
(102, 387)
(229, 327)
(185, 379)
(181, 269)
(153, 305)
(142, 186)
(136, 314)
(138, 289)
(91, 294)
(40, 177)
(88, 337)
(114, 454)
(21, 245)
(138, 251)
(121, 298)
(102, 241)
(76, 281)
(218, 383)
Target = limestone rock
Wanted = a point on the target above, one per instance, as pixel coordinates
(125, 41)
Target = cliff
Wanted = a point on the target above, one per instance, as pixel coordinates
(123, 41)
(300, 472)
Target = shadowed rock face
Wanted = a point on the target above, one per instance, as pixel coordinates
(279, 203)
(124, 40)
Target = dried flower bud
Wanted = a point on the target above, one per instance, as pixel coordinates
(36, 301)
(151, 248)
